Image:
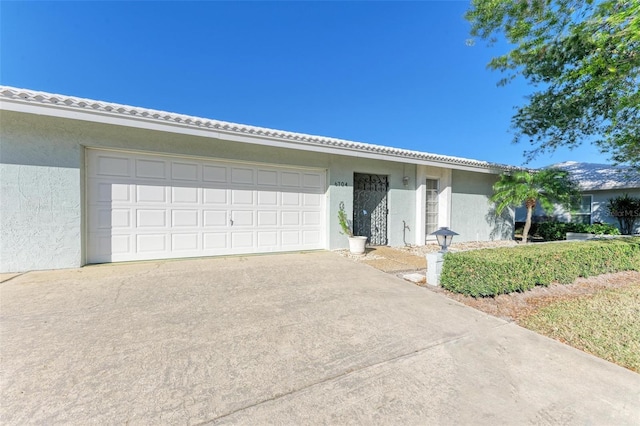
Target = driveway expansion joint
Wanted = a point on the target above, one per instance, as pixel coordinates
(347, 373)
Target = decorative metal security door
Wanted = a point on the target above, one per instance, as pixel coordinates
(370, 207)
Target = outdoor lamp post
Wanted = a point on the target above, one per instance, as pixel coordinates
(444, 236)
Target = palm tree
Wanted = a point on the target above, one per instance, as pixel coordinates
(547, 187)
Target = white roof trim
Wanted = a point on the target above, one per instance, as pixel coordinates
(34, 102)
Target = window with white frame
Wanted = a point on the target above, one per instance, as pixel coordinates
(583, 213)
(431, 208)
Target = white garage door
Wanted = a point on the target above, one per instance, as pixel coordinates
(144, 206)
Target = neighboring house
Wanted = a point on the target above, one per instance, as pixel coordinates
(86, 181)
(598, 183)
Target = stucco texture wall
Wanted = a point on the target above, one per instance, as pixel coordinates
(472, 214)
(42, 183)
(40, 196)
(401, 198)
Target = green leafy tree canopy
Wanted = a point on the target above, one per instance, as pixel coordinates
(582, 59)
(546, 187)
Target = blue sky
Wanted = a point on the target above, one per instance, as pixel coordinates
(389, 73)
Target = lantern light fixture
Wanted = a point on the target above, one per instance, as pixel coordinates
(444, 236)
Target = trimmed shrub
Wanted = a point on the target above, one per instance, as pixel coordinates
(497, 271)
(556, 231)
(602, 229)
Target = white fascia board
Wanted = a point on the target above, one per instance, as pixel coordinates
(118, 119)
(346, 152)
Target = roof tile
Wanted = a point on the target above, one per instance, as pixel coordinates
(30, 96)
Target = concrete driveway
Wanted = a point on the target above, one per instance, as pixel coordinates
(285, 339)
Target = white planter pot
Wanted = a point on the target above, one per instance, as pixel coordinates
(356, 245)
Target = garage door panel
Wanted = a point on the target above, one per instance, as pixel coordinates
(311, 200)
(106, 245)
(151, 169)
(121, 218)
(311, 237)
(215, 196)
(184, 242)
(313, 180)
(242, 197)
(267, 178)
(184, 218)
(267, 198)
(147, 218)
(243, 176)
(290, 238)
(107, 218)
(101, 219)
(102, 192)
(185, 194)
(146, 206)
(120, 244)
(147, 243)
(184, 171)
(290, 179)
(267, 218)
(215, 241)
(215, 218)
(268, 239)
(214, 174)
(242, 218)
(311, 218)
(113, 166)
(242, 240)
(151, 194)
(290, 218)
(290, 199)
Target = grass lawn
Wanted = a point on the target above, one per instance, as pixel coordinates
(605, 324)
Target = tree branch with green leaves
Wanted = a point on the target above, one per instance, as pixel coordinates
(582, 59)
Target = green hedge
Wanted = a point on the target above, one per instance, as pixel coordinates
(556, 231)
(491, 272)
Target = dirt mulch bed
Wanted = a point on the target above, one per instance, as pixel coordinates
(515, 306)
(456, 247)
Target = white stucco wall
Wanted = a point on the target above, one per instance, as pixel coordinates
(40, 195)
(42, 179)
(472, 214)
(401, 198)
(42, 201)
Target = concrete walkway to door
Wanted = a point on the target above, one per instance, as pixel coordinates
(389, 259)
(307, 338)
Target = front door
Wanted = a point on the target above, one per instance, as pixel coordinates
(370, 207)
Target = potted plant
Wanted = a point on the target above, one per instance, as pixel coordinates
(356, 243)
